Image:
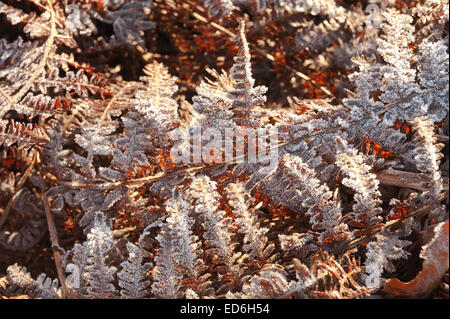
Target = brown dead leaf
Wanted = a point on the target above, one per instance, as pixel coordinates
(435, 254)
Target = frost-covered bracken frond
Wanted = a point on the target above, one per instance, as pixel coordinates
(398, 74)
(132, 276)
(244, 94)
(227, 101)
(367, 80)
(396, 78)
(387, 247)
(218, 8)
(222, 8)
(19, 280)
(152, 111)
(255, 239)
(387, 92)
(179, 256)
(78, 256)
(213, 103)
(25, 136)
(358, 177)
(217, 226)
(268, 284)
(28, 76)
(97, 273)
(307, 192)
(166, 276)
(432, 16)
(128, 19)
(156, 102)
(327, 7)
(40, 27)
(326, 33)
(428, 154)
(428, 157)
(433, 73)
(217, 233)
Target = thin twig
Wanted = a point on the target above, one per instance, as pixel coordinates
(417, 181)
(55, 244)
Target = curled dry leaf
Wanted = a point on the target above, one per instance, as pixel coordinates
(435, 254)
